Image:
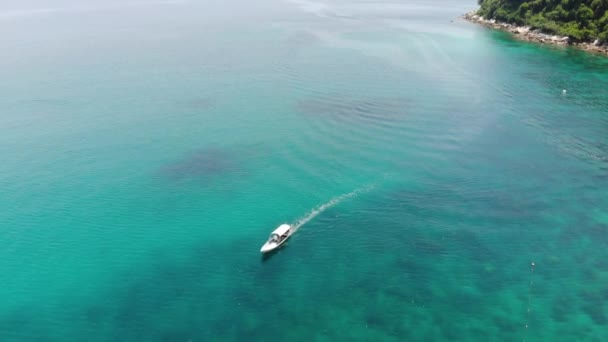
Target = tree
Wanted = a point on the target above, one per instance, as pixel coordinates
(581, 20)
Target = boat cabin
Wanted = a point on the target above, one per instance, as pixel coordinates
(277, 238)
(280, 233)
(274, 238)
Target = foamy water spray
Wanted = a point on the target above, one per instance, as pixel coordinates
(316, 211)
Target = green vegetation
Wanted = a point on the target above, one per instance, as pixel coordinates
(581, 20)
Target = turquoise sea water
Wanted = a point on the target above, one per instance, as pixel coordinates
(148, 148)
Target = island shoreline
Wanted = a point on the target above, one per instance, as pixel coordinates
(526, 33)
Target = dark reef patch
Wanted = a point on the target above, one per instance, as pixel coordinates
(372, 109)
(201, 164)
(147, 293)
(208, 163)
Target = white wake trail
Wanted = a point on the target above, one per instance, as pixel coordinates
(316, 211)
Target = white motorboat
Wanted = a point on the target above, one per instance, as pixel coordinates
(277, 238)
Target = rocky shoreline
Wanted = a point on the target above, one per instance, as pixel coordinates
(526, 33)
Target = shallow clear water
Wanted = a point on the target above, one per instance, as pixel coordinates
(149, 148)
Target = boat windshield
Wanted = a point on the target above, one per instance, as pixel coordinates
(273, 238)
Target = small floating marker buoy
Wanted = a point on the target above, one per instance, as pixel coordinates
(564, 91)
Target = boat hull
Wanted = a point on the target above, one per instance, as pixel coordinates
(269, 247)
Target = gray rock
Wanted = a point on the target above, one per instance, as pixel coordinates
(597, 42)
